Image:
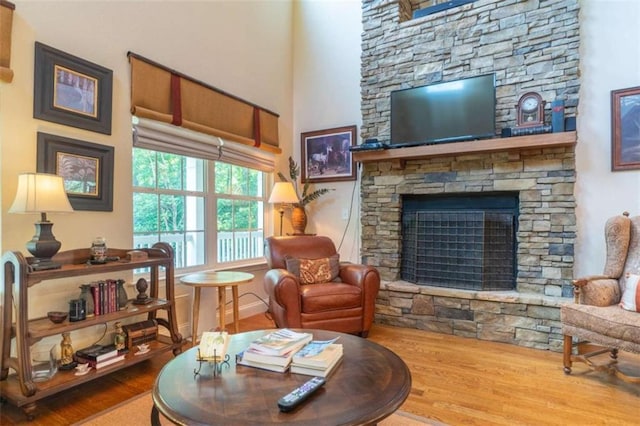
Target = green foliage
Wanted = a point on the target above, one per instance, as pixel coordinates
(306, 197)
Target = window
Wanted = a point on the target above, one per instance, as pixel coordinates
(211, 212)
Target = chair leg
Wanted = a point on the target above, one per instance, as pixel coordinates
(566, 353)
(614, 353)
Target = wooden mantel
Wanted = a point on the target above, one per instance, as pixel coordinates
(546, 140)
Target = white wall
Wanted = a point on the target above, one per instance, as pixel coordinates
(242, 47)
(609, 60)
(326, 88)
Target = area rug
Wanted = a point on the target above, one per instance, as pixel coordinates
(135, 411)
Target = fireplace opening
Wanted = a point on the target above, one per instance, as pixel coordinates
(463, 241)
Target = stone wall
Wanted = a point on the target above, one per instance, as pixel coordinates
(544, 179)
(531, 46)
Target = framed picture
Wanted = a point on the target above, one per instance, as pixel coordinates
(326, 156)
(87, 169)
(69, 90)
(625, 126)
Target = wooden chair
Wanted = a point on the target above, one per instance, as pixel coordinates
(596, 320)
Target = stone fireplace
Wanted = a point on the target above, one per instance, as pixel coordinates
(465, 241)
(530, 46)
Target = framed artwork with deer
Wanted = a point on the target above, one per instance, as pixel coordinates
(326, 156)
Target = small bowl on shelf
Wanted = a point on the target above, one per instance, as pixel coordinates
(57, 317)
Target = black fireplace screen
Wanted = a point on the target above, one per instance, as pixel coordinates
(466, 249)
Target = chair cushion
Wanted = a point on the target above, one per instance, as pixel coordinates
(631, 297)
(610, 321)
(330, 296)
(314, 271)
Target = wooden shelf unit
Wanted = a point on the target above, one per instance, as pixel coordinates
(20, 389)
(545, 140)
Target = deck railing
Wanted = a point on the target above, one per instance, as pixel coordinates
(231, 246)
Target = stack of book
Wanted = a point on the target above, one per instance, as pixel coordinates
(99, 356)
(318, 358)
(274, 350)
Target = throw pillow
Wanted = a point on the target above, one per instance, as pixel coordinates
(631, 296)
(314, 271)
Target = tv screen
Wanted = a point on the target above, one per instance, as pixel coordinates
(452, 111)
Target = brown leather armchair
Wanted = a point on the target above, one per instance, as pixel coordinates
(346, 304)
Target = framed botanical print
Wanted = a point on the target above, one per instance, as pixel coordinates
(87, 169)
(71, 91)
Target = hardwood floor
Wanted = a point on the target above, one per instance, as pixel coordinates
(456, 381)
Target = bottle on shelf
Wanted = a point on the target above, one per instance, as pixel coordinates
(99, 250)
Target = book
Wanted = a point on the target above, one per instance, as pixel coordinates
(311, 358)
(213, 345)
(280, 342)
(95, 292)
(97, 352)
(279, 360)
(320, 372)
(242, 360)
(101, 364)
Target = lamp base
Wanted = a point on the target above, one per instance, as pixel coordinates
(43, 246)
(43, 265)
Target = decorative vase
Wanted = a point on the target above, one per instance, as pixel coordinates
(85, 294)
(122, 295)
(298, 220)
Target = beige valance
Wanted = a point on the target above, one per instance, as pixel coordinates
(6, 23)
(166, 95)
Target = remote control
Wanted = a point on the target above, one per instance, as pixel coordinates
(299, 394)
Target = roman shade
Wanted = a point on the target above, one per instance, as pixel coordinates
(165, 95)
(159, 136)
(6, 20)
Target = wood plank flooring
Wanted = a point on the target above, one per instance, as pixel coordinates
(456, 381)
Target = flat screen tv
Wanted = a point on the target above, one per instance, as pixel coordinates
(452, 111)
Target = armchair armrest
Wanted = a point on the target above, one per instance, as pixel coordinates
(358, 274)
(581, 282)
(596, 290)
(368, 279)
(283, 289)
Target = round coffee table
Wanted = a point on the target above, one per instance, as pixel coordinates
(220, 280)
(369, 384)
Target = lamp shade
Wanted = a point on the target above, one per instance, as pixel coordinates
(40, 193)
(283, 193)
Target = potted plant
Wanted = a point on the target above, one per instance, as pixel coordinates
(299, 215)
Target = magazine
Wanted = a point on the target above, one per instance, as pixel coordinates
(314, 347)
(280, 342)
(321, 360)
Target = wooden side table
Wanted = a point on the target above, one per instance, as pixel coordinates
(220, 280)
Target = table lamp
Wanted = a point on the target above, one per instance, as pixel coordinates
(283, 193)
(41, 193)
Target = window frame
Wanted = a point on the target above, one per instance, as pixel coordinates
(265, 165)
